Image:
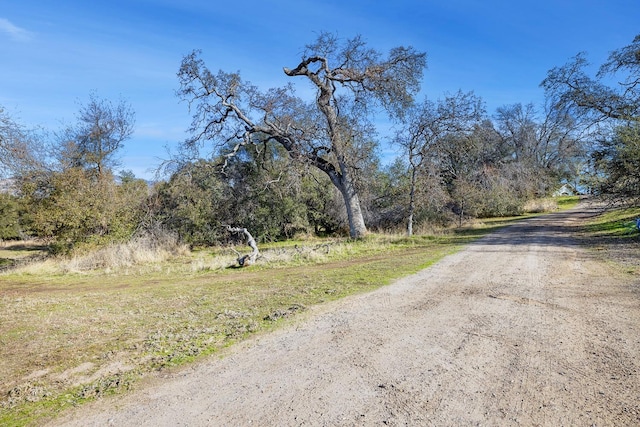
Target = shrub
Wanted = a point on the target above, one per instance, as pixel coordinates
(9, 217)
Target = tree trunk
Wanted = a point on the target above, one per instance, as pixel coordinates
(357, 227)
(344, 183)
(412, 203)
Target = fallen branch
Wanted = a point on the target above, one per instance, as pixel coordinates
(248, 259)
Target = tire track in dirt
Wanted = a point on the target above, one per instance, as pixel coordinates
(522, 327)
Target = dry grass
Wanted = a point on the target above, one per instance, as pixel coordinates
(541, 205)
(143, 249)
(121, 258)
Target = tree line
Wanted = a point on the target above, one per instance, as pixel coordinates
(280, 165)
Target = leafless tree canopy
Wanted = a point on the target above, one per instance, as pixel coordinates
(22, 153)
(570, 85)
(100, 132)
(425, 132)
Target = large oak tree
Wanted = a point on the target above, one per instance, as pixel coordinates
(351, 83)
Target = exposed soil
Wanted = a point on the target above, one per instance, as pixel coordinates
(523, 327)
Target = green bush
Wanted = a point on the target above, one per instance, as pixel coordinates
(9, 217)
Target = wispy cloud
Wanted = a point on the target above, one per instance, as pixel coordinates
(15, 33)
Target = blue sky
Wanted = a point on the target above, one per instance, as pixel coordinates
(55, 53)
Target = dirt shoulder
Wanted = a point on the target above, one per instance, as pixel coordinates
(523, 327)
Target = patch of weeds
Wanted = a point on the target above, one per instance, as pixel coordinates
(32, 403)
(28, 392)
(165, 348)
(282, 313)
(105, 386)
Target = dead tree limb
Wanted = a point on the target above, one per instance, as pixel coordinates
(248, 259)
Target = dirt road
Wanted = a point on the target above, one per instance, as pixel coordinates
(521, 328)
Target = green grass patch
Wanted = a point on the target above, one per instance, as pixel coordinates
(567, 202)
(615, 223)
